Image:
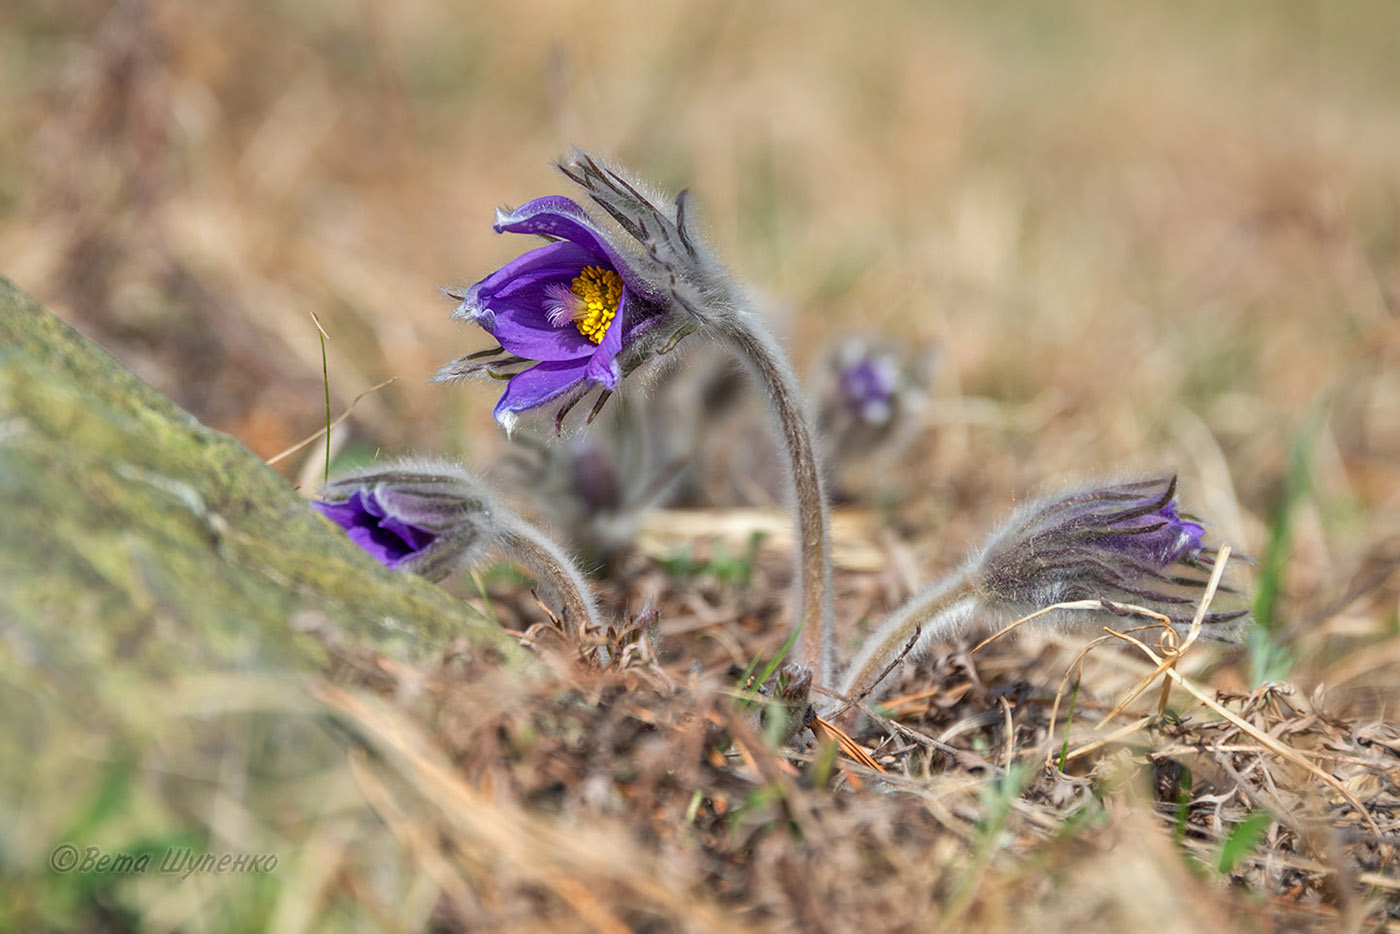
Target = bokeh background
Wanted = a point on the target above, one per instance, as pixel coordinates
(1124, 237)
(1148, 237)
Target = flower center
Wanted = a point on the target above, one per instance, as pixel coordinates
(599, 292)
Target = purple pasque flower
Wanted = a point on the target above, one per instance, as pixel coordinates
(389, 539)
(423, 516)
(432, 517)
(581, 312)
(872, 396)
(671, 286)
(1124, 542)
(1116, 543)
(871, 388)
(866, 386)
(568, 307)
(562, 314)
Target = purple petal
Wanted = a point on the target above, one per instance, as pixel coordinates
(515, 329)
(1190, 538)
(346, 515)
(560, 258)
(414, 538)
(602, 366)
(387, 539)
(537, 385)
(557, 216)
(1158, 538)
(551, 262)
(371, 504)
(385, 547)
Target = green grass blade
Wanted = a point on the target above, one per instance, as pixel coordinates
(1243, 838)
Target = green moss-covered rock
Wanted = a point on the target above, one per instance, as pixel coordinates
(128, 523)
(164, 597)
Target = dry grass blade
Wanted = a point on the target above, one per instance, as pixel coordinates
(320, 432)
(1274, 746)
(1072, 605)
(1010, 733)
(826, 732)
(1174, 653)
(1101, 742)
(899, 705)
(576, 863)
(412, 836)
(1077, 663)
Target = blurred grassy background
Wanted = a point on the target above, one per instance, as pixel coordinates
(1151, 236)
(1154, 236)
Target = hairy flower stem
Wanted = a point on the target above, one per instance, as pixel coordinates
(554, 572)
(933, 614)
(812, 612)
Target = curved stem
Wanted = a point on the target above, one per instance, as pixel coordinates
(932, 614)
(812, 613)
(554, 571)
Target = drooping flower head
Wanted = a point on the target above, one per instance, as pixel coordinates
(433, 517)
(1124, 542)
(1120, 543)
(424, 517)
(387, 537)
(588, 307)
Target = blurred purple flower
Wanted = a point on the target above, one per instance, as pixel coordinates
(867, 385)
(563, 313)
(872, 393)
(389, 539)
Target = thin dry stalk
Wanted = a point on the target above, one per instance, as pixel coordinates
(320, 432)
(1263, 738)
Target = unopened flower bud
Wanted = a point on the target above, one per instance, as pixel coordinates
(1125, 542)
(1116, 543)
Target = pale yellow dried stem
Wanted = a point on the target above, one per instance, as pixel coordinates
(1010, 733)
(321, 431)
(1073, 605)
(1103, 741)
(1274, 746)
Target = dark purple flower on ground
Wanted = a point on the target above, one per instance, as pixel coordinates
(432, 517)
(390, 540)
(426, 517)
(1125, 542)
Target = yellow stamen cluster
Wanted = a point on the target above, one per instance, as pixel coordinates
(600, 292)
